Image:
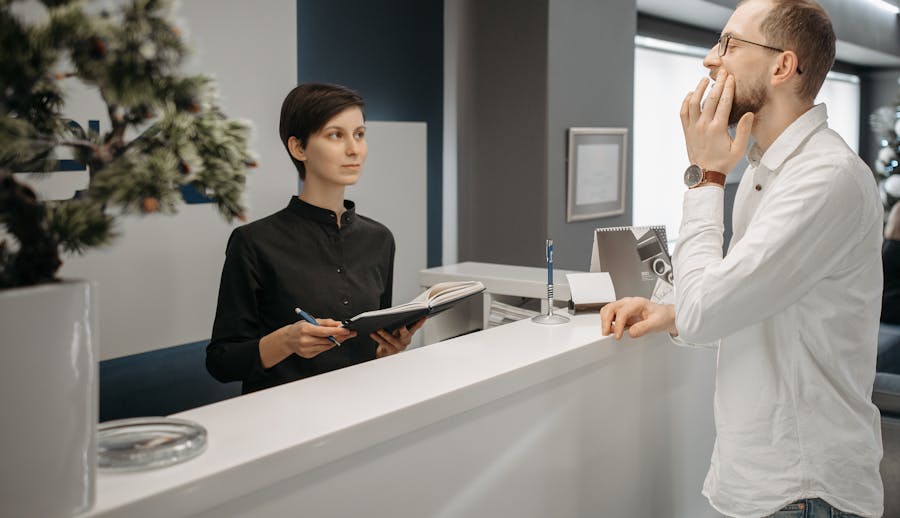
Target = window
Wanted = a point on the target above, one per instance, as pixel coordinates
(840, 93)
(659, 155)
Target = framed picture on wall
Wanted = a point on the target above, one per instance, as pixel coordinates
(596, 163)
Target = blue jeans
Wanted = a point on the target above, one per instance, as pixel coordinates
(811, 508)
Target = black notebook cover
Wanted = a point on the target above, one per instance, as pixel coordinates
(392, 321)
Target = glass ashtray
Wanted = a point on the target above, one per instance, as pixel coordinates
(148, 442)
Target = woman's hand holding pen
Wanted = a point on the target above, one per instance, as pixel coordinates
(301, 338)
(393, 343)
(308, 340)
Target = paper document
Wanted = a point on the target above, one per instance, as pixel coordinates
(591, 288)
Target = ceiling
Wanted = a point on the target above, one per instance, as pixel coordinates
(692, 12)
(702, 13)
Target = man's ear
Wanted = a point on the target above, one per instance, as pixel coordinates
(785, 68)
(295, 148)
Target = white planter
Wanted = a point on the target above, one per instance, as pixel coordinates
(48, 399)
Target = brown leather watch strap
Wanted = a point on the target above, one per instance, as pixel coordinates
(711, 178)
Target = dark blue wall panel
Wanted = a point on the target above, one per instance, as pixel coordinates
(391, 52)
(159, 382)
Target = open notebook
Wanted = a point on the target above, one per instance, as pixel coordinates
(440, 297)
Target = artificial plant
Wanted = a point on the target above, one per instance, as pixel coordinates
(166, 131)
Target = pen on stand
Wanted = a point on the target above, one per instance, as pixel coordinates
(309, 318)
(549, 317)
(550, 264)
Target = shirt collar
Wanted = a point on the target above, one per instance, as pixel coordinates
(320, 215)
(789, 140)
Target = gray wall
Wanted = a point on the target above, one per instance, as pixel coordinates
(590, 83)
(502, 114)
(536, 70)
(530, 71)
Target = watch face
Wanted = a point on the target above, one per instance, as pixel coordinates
(693, 175)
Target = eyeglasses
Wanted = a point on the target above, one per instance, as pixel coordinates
(725, 39)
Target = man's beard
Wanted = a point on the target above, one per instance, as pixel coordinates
(750, 101)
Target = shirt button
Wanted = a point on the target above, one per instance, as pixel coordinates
(340, 270)
(758, 187)
(345, 301)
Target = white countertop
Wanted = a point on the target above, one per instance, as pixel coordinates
(524, 281)
(265, 437)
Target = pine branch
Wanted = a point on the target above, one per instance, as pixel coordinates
(79, 224)
(132, 58)
(75, 143)
(116, 136)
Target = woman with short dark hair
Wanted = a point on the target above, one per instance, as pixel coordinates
(317, 254)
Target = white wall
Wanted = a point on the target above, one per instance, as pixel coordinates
(159, 281)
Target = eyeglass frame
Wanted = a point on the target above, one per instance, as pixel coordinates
(722, 49)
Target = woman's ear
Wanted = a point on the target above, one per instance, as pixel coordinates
(295, 148)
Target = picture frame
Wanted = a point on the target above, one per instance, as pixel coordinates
(596, 162)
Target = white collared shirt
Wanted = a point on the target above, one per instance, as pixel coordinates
(795, 306)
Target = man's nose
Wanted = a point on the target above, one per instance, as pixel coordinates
(712, 60)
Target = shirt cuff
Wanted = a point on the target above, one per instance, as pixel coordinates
(677, 340)
(703, 204)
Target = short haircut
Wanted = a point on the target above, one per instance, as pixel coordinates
(804, 27)
(306, 110)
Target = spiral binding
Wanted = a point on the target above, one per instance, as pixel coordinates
(659, 229)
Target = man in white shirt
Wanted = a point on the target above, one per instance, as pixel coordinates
(794, 305)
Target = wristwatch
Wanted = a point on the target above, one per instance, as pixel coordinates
(696, 176)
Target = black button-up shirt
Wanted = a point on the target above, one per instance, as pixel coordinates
(297, 257)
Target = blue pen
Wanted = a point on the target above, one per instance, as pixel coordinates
(550, 262)
(309, 318)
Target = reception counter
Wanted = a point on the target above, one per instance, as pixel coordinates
(521, 420)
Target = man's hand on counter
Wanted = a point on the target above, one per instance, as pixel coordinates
(639, 315)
